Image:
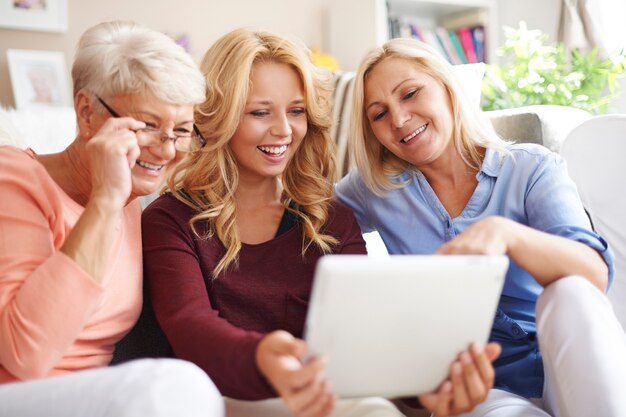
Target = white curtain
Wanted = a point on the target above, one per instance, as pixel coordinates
(587, 23)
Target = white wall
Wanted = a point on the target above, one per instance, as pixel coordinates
(203, 20)
(538, 14)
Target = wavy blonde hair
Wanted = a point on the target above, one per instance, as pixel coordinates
(207, 179)
(472, 130)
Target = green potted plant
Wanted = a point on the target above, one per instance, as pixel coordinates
(537, 73)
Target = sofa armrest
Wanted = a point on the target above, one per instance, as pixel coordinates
(547, 125)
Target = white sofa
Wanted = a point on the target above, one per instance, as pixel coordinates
(44, 129)
(51, 130)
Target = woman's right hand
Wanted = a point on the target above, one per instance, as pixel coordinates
(300, 385)
(470, 379)
(112, 153)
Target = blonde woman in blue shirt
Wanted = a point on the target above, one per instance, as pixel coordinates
(432, 176)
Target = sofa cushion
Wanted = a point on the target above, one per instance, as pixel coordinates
(547, 125)
(44, 129)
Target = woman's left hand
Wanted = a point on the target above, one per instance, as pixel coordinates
(532, 250)
(490, 236)
(470, 379)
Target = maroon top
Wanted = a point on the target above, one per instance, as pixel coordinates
(217, 324)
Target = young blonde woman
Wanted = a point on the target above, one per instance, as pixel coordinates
(231, 250)
(433, 177)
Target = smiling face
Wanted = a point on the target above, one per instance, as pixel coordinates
(273, 123)
(155, 163)
(408, 111)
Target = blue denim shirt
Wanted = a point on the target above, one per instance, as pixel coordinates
(530, 186)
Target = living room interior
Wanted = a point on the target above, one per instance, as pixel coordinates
(344, 29)
(319, 23)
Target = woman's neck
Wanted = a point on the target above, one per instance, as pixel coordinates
(452, 180)
(70, 171)
(449, 170)
(259, 210)
(252, 194)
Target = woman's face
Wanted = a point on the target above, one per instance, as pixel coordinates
(408, 111)
(155, 162)
(273, 123)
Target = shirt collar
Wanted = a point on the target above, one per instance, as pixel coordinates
(492, 164)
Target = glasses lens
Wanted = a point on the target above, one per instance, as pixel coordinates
(184, 143)
(149, 137)
(189, 142)
(154, 137)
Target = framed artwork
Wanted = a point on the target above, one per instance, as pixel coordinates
(43, 15)
(38, 78)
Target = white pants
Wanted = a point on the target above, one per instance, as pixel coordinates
(584, 358)
(147, 387)
(365, 407)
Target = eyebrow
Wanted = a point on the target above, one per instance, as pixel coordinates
(392, 91)
(269, 102)
(157, 117)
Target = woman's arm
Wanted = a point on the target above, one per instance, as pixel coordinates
(343, 225)
(557, 240)
(45, 296)
(112, 153)
(546, 257)
(350, 191)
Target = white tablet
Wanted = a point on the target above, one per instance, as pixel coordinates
(392, 326)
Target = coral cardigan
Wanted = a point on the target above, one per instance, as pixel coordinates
(54, 318)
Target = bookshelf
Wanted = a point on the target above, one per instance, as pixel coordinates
(355, 26)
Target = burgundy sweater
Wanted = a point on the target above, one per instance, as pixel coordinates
(217, 324)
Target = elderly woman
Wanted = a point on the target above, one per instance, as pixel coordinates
(70, 258)
(434, 177)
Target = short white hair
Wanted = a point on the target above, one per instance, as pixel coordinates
(120, 57)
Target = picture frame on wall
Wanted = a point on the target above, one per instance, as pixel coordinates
(41, 15)
(38, 78)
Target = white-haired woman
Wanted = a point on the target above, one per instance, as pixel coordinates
(71, 263)
(433, 177)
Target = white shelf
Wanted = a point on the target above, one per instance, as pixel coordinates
(356, 26)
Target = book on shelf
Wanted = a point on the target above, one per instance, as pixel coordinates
(431, 38)
(405, 31)
(457, 46)
(460, 46)
(467, 42)
(446, 42)
(394, 27)
(416, 32)
(478, 36)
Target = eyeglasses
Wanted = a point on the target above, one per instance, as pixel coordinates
(152, 136)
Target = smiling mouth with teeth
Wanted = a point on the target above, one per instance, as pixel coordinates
(149, 166)
(412, 135)
(273, 150)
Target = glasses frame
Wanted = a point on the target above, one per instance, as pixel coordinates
(117, 115)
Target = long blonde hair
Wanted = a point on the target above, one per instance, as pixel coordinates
(472, 130)
(207, 179)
